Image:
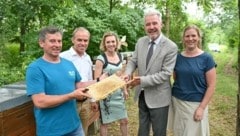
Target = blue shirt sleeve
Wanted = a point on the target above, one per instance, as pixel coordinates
(34, 80)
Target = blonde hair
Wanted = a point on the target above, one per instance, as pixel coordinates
(106, 34)
(199, 33)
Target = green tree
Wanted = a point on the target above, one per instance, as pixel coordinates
(25, 15)
(96, 16)
(238, 97)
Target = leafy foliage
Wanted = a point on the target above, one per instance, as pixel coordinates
(98, 19)
(20, 21)
(12, 65)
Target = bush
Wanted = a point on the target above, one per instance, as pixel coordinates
(12, 64)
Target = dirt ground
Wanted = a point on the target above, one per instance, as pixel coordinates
(221, 119)
(114, 128)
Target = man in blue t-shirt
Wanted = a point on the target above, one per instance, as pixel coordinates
(54, 84)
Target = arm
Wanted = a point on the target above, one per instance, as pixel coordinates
(97, 73)
(131, 64)
(162, 74)
(47, 101)
(98, 69)
(211, 82)
(85, 84)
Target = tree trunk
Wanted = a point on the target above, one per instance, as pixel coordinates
(238, 97)
(110, 5)
(167, 22)
(22, 33)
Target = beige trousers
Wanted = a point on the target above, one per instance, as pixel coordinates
(84, 110)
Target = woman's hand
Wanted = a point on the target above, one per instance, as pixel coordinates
(198, 115)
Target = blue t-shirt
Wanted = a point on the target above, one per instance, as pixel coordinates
(190, 83)
(54, 79)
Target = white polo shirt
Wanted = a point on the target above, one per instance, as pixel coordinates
(82, 63)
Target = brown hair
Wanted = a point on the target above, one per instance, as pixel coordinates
(48, 30)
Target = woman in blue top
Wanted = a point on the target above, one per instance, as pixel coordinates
(113, 107)
(194, 86)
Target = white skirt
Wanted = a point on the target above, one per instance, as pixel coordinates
(181, 120)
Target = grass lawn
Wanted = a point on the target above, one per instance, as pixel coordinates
(223, 107)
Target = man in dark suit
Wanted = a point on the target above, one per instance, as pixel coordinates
(154, 68)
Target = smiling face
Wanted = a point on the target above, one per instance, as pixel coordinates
(110, 43)
(153, 26)
(51, 45)
(80, 41)
(191, 39)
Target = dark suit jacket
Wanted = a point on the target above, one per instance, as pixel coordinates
(155, 79)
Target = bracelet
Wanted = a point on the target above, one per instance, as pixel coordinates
(98, 79)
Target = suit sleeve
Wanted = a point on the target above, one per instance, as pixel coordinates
(132, 63)
(165, 71)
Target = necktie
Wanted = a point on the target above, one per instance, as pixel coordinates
(150, 52)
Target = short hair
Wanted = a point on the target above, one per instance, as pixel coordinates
(152, 11)
(82, 29)
(48, 30)
(106, 34)
(199, 33)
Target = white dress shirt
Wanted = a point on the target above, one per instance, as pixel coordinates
(82, 63)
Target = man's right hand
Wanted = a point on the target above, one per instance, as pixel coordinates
(81, 94)
(134, 82)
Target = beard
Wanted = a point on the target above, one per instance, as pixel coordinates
(153, 34)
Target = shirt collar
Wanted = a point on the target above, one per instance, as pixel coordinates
(74, 53)
(157, 40)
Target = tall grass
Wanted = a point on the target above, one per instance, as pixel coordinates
(222, 109)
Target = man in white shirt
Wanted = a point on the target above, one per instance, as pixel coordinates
(82, 61)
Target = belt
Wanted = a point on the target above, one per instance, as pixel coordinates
(83, 100)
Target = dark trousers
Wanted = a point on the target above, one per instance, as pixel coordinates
(157, 118)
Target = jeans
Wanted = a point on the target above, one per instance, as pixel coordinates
(77, 132)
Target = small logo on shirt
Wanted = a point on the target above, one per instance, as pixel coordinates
(71, 73)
